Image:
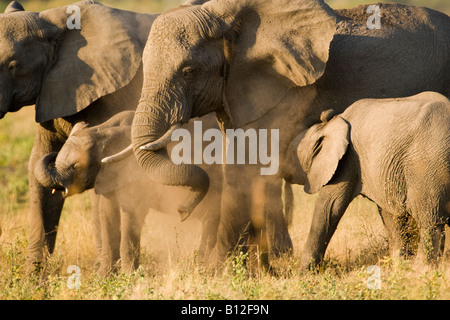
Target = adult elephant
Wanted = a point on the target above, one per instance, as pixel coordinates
(71, 75)
(275, 65)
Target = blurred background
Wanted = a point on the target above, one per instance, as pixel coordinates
(162, 5)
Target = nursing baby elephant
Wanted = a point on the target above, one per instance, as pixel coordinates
(395, 152)
(126, 192)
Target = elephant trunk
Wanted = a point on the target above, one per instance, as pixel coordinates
(151, 122)
(47, 174)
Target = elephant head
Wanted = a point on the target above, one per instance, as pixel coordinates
(240, 55)
(76, 167)
(61, 68)
(319, 150)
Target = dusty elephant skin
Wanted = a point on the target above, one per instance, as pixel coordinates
(275, 65)
(84, 75)
(73, 75)
(126, 192)
(396, 152)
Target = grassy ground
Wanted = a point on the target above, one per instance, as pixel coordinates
(168, 268)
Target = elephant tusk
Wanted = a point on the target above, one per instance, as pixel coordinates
(66, 191)
(125, 153)
(161, 142)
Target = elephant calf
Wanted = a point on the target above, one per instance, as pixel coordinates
(126, 192)
(395, 152)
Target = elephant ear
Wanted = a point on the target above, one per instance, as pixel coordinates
(79, 126)
(321, 150)
(277, 45)
(14, 6)
(118, 175)
(89, 63)
(193, 2)
(114, 176)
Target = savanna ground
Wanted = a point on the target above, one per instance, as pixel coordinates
(168, 268)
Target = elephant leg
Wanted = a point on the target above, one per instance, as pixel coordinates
(431, 238)
(330, 206)
(95, 204)
(132, 218)
(130, 241)
(45, 207)
(131, 222)
(255, 210)
(109, 213)
(394, 230)
(405, 235)
(234, 225)
(210, 218)
(269, 228)
(210, 224)
(234, 222)
(280, 242)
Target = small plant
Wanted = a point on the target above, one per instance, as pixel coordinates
(239, 269)
(432, 284)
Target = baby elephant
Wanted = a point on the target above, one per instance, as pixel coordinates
(126, 192)
(395, 152)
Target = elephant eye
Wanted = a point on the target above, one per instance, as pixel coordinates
(188, 71)
(12, 66)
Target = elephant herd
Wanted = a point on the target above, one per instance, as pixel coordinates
(357, 110)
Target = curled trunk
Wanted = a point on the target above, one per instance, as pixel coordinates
(46, 173)
(150, 123)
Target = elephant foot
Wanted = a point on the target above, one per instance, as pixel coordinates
(106, 270)
(129, 267)
(425, 257)
(310, 263)
(34, 267)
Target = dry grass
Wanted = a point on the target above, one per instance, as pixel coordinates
(169, 270)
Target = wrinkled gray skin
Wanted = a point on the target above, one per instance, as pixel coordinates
(126, 192)
(271, 64)
(72, 76)
(395, 152)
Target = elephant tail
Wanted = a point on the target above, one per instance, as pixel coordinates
(288, 200)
